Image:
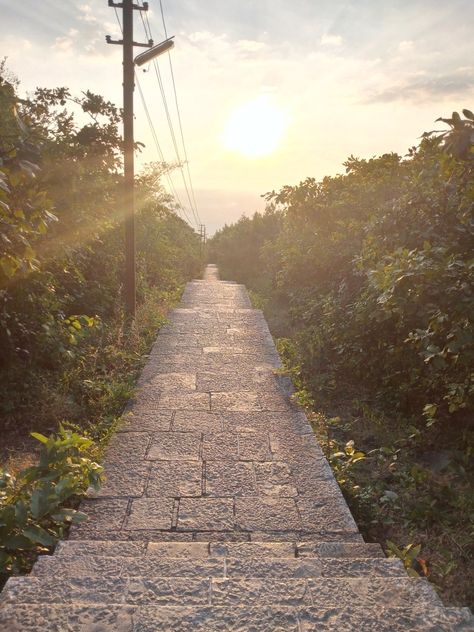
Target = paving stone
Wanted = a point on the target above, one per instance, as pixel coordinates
(230, 479)
(197, 421)
(211, 514)
(103, 515)
(150, 513)
(245, 550)
(122, 481)
(55, 589)
(362, 567)
(180, 401)
(78, 566)
(105, 548)
(171, 382)
(124, 447)
(77, 618)
(238, 401)
(175, 478)
(325, 515)
(168, 591)
(338, 549)
(178, 549)
(145, 420)
(156, 567)
(287, 592)
(154, 619)
(173, 446)
(267, 514)
(222, 446)
(275, 479)
(274, 567)
(254, 446)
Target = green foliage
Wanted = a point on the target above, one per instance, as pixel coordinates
(38, 503)
(409, 556)
(374, 269)
(367, 278)
(66, 355)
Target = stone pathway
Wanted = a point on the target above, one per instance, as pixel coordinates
(219, 511)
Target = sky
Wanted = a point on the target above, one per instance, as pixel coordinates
(270, 92)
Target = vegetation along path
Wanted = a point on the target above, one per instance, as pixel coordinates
(219, 511)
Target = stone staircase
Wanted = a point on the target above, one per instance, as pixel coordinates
(219, 511)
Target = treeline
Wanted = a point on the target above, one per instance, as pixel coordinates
(370, 275)
(63, 352)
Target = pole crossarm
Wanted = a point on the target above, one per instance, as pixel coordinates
(135, 7)
(109, 40)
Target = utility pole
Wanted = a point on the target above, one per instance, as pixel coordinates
(128, 196)
(202, 235)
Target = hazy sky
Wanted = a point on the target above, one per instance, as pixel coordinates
(309, 81)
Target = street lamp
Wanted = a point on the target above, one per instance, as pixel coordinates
(153, 52)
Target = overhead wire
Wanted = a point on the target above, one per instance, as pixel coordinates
(178, 112)
(191, 196)
(180, 207)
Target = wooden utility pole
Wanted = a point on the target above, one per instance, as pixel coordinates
(128, 196)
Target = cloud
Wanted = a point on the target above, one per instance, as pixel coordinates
(66, 43)
(423, 87)
(406, 46)
(87, 13)
(331, 40)
(250, 46)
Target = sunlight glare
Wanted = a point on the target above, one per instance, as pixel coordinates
(255, 128)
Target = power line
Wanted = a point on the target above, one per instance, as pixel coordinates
(174, 193)
(178, 111)
(192, 202)
(159, 150)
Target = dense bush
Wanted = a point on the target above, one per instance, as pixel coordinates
(367, 280)
(61, 252)
(375, 267)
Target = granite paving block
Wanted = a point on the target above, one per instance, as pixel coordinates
(123, 482)
(215, 619)
(230, 479)
(167, 591)
(77, 618)
(254, 446)
(267, 514)
(103, 515)
(197, 421)
(221, 446)
(275, 479)
(178, 549)
(251, 592)
(145, 421)
(175, 479)
(325, 515)
(125, 447)
(213, 514)
(238, 401)
(150, 513)
(173, 446)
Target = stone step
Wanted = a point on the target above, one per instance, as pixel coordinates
(379, 618)
(158, 566)
(108, 548)
(177, 591)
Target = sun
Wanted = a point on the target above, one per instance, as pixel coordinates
(255, 128)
